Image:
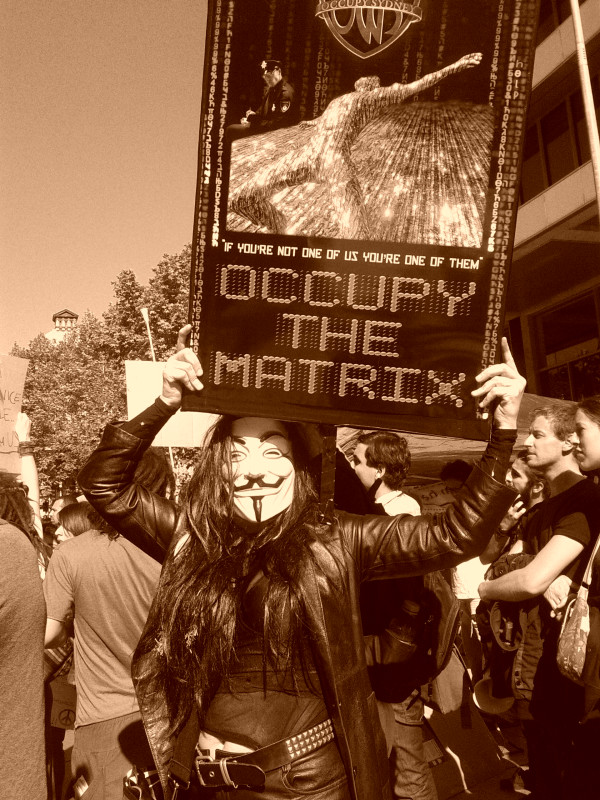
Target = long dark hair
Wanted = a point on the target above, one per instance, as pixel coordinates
(591, 408)
(15, 508)
(191, 631)
(78, 518)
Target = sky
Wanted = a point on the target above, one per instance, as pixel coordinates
(98, 149)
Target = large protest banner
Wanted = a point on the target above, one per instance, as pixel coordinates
(357, 190)
(12, 380)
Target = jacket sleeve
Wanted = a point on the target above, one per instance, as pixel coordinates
(107, 480)
(385, 547)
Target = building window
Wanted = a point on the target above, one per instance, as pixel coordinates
(546, 21)
(532, 172)
(557, 140)
(582, 136)
(552, 14)
(568, 352)
(556, 144)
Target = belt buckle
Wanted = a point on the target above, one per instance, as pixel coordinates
(225, 774)
(222, 771)
(217, 773)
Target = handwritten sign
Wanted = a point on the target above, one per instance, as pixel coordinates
(357, 194)
(12, 380)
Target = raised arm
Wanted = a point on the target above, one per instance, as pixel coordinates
(398, 92)
(535, 578)
(108, 478)
(29, 472)
(404, 546)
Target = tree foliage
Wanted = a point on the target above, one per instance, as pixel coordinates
(73, 388)
(166, 302)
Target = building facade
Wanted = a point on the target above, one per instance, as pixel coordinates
(553, 304)
(64, 321)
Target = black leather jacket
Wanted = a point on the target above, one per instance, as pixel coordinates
(370, 548)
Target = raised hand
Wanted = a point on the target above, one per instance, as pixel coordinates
(513, 515)
(501, 389)
(182, 370)
(23, 427)
(471, 60)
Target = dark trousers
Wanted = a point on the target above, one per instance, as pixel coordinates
(317, 776)
(553, 732)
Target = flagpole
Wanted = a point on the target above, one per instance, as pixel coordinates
(588, 99)
(144, 313)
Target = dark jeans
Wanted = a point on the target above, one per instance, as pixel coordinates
(553, 730)
(412, 777)
(104, 752)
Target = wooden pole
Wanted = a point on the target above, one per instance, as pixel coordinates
(145, 315)
(588, 99)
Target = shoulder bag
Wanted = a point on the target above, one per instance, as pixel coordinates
(572, 641)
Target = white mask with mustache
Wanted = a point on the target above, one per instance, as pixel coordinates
(262, 467)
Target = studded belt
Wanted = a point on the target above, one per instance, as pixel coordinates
(248, 769)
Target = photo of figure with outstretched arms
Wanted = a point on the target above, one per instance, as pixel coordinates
(328, 162)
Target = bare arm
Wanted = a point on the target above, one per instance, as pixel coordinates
(398, 92)
(56, 633)
(29, 473)
(536, 577)
(108, 477)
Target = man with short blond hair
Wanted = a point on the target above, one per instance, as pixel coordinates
(560, 536)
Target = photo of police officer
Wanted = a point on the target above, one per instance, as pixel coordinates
(276, 108)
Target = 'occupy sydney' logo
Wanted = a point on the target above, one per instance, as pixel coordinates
(366, 27)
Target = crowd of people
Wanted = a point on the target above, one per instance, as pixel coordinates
(248, 638)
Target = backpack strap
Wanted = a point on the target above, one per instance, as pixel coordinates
(587, 576)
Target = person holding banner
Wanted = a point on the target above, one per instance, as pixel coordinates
(254, 636)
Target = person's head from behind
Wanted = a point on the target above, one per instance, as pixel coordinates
(14, 505)
(587, 433)
(381, 456)
(15, 509)
(528, 482)
(78, 518)
(154, 472)
(455, 473)
(550, 440)
(59, 503)
(251, 468)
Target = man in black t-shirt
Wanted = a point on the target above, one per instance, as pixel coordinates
(560, 536)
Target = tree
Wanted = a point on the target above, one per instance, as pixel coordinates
(71, 391)
(167, 300)
(124, 324)
(75, 387)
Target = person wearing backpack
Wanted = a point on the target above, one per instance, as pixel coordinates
(393, 616)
